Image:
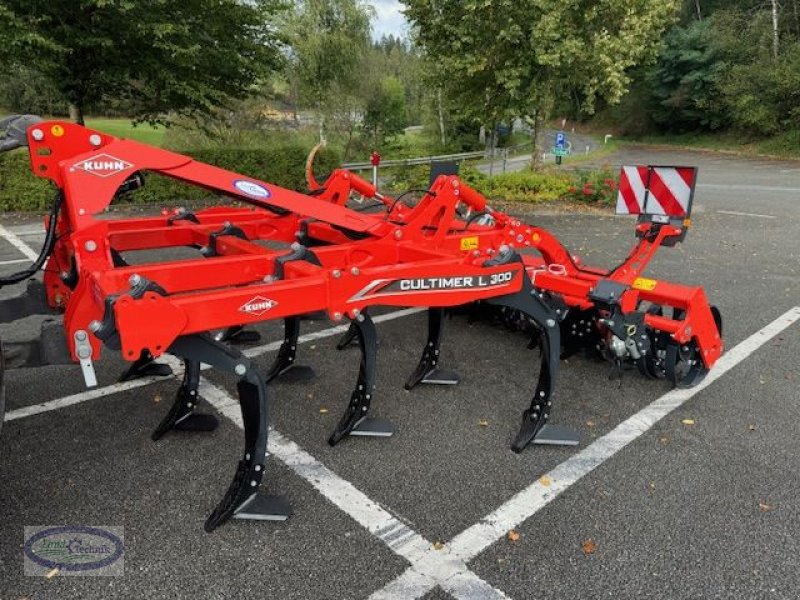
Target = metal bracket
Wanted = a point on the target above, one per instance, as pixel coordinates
(84, 351)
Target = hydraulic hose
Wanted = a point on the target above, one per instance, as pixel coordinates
(47, 247)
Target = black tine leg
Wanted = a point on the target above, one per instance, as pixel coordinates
(354, 421)
(284, 365)
(534, 419)
(348, 337)
(426, 371)
(242, 499)
(182, 415)
(145, 366)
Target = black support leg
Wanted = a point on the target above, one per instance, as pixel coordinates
(348, 337)
(427, 371)
(242, 500)
(355, 421)
(284, 366)
(182, 415)
(534, 428)
(145, 366)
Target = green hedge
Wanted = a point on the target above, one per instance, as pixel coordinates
(283, 165)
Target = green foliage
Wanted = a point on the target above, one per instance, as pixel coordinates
(124, 128)
(520, 186)
(282, 165)
(158, 56)
(584, 187)
(593, 187)
(385, 114)
(19, 188)
(682, 83)
(502, 59)
(329, 40)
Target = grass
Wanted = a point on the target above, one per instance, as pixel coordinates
(125, 129)
(783, 145)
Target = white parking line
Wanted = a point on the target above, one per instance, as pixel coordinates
(18, 243)
(399, 537)
(750, 188)
(177, 366)
(736, 213)
(14, 262)
(446, 567)
(474, 540)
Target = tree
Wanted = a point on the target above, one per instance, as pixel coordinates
(159, 56)
(329, 39)
(385, 111)
(683, 82)
(502, 59)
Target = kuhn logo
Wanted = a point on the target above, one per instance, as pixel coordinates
(103, 165)
(257, 306)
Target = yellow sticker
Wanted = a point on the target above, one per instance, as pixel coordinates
(647, 285)
(57, 130)
(469, 243)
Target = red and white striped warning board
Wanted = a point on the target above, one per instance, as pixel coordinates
(656, 190)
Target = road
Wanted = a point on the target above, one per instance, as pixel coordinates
(579, 144)
(676, 510)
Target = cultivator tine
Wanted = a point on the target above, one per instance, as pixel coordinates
(284, 365)
(427, 371)
(534, 428)
(145, 366)
(182, 415)
(348, 337)
(241, 501)
(355, 421)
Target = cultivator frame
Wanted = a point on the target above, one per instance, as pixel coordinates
(451, 249)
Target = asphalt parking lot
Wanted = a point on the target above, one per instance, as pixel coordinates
(687, 495)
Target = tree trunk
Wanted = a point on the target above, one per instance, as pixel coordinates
(697, 7)
(76, 113)
(442, 136)
(535, 139)
(775, 39)
(796, 18)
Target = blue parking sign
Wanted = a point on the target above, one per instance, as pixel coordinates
(561, 140)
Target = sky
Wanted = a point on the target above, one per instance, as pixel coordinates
(389, 18)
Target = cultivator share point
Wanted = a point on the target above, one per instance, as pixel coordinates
(450, 249)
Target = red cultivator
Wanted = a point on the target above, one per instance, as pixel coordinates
(450, 249)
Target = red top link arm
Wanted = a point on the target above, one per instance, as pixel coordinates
(90, 166)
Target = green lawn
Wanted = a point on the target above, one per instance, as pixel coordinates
(125, 129)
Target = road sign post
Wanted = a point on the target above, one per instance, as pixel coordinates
(560, 149)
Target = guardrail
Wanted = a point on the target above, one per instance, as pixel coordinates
(422, 160)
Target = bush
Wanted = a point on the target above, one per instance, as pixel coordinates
(593, 187)
(520, 186)
(283, 165)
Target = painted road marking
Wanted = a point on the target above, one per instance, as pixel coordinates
(736, 213)
(177, 366)
(14, 262)
(752, 188)
(399, 537)
(447, 567)
(474, 540)
(18, 243)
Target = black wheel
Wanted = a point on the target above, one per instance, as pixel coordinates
(683, 365)
(651, 364)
